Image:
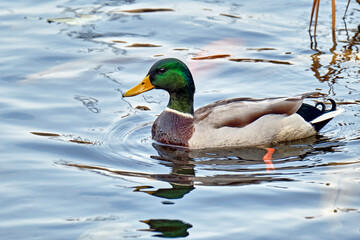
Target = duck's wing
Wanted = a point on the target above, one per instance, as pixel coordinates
(239, 112)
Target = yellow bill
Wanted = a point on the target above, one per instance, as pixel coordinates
(144, 86)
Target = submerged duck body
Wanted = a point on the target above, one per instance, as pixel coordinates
(231, 122)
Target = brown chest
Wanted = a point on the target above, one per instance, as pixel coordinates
(172, 128)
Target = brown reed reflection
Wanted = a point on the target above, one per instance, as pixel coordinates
(333, 71)
(315, 9)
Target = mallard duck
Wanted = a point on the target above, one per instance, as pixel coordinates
(232, 122)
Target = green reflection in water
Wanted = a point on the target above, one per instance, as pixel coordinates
(167, 228)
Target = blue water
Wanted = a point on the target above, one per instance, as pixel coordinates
(78, 162)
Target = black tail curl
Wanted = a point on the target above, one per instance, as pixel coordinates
(323, 107)
(309, 113)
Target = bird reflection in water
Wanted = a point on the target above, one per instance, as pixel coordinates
(222, 167)
(218, 167)
(167, 228)
(227, 160)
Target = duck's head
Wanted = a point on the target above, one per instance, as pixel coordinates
(169, 74)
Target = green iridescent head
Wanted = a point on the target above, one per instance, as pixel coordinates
(173, 76)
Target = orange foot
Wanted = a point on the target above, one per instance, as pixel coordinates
(267, 159)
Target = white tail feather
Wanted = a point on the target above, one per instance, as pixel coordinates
(327, 116)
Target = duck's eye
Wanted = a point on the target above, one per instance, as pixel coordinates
(161, 70)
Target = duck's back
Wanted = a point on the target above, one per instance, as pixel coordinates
(239, 112)
(250, 122)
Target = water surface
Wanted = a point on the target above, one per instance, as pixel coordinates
(78, 162)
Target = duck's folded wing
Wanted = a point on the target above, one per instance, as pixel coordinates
(239, 112)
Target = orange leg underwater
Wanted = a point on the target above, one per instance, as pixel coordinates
(267, 159)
